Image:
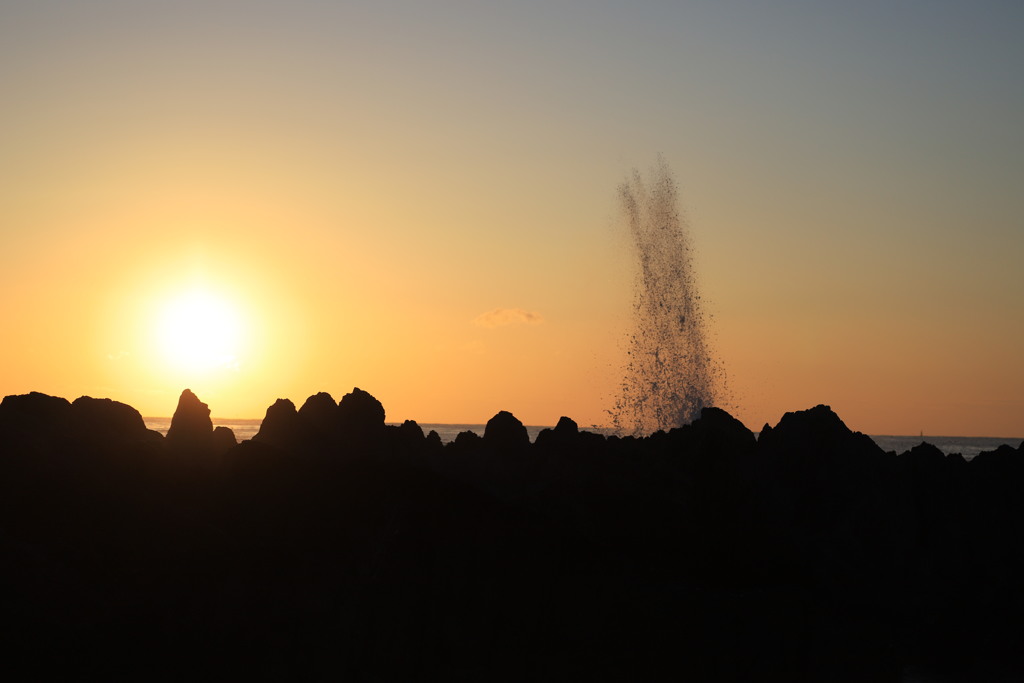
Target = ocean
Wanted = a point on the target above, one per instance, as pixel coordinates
(967, 446)
(248, 427)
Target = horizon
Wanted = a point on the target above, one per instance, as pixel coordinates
(481, 423)
(261, 200)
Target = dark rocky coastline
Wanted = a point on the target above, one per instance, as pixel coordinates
(334, 547)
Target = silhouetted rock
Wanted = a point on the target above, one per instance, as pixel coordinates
(223, 439)
(998, 472)
(411, 435)
(566, 426)
(465, 443)
(562, 435)
(360, 418)
(281, 427)
(815, 429)
(191, 418)
(34, 424)
(191, 430)
(405, 441)
(819, 445)
(105, 418)
(34, 411)
(1003, 454)
(321, 413)
(698, 554)
(717, 432)
(506, 433)
(113, 428)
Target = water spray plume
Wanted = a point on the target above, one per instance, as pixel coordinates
(670, 372)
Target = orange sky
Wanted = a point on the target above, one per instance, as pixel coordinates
(360, 184)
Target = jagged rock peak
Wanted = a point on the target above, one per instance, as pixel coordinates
(280, 424)
(817, 430)
(359, 411)
(566, 425)
(320, 409)
(282, 406)
(717, 429)
(819, 423)
(505, 430)
(190, 425)
(412, 429)
(719, 418)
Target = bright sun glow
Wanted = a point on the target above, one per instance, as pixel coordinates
(200, 332)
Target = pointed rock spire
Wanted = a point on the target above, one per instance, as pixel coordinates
(191, 427)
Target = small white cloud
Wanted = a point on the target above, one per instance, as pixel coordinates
(500, 317)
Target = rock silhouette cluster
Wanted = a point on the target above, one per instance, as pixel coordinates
(335, 546)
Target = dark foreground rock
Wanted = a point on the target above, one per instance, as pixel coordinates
(335, 547)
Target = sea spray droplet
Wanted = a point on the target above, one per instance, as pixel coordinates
(670, 373)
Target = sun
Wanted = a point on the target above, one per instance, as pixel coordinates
(200, 331)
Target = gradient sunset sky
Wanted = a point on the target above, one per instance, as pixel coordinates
(419, 199)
